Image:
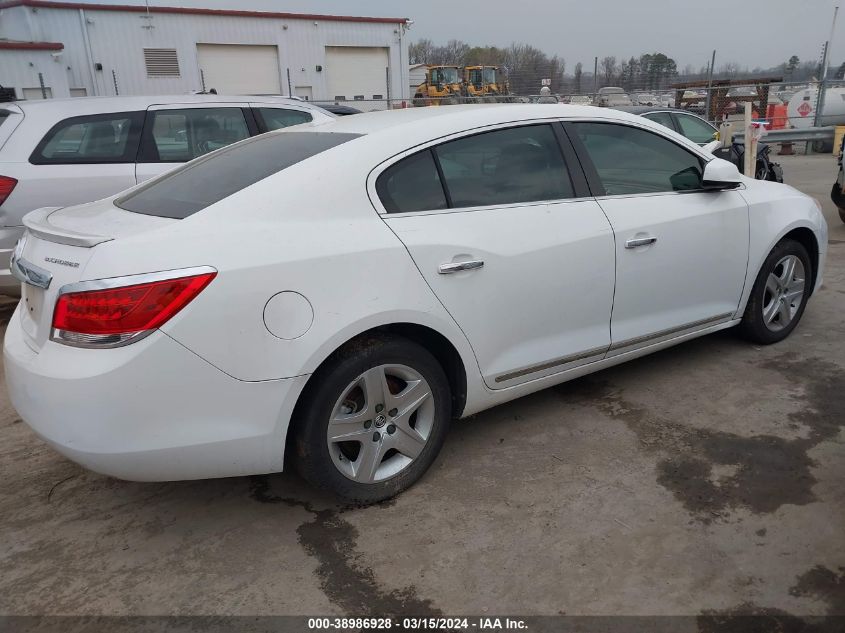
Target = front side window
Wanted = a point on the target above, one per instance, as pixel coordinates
(178, 136)
(630, 160)
(277, 118)
(695, 129)
(522, 164)
(101, 138)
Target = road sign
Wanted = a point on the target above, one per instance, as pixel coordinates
(545, 82)
(804, 109)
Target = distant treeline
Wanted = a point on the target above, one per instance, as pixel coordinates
(527, 66)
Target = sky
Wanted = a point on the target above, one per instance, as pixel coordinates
(751, 33)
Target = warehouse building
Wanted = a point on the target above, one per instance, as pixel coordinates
(62, 49)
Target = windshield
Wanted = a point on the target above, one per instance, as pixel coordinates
(489, 75)
(209, 179)
(445, 75)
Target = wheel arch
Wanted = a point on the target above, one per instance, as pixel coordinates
(807, 238)
(443, 349)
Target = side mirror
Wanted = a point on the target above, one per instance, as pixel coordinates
(720, 174)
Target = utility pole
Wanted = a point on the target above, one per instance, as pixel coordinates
(710, 86)
(596, 81)
(825, 64)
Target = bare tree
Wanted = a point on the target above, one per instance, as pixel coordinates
(608, 69)
(579, 70)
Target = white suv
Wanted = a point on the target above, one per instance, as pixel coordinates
(61, 152)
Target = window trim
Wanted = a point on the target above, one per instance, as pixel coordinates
(572, 165)
(595, 183)
(148, 150)
(133, 142)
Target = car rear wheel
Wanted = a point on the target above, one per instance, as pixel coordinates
(779, 295)
(374, 421)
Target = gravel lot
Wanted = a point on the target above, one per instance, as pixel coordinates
(702, 479)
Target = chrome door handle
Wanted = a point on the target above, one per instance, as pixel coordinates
(453, 267)
(640, 241)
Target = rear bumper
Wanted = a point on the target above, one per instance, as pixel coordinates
(150, 411)
(9, 235)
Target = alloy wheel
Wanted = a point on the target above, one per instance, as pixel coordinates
(381, 423)
(783, 293)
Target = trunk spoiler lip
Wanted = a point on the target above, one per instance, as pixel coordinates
(38, 224)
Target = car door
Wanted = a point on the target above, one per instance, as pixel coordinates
(681, 252)
(502, 227)
(81, 159)
(176, 133)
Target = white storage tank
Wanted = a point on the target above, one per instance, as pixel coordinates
(801, 109)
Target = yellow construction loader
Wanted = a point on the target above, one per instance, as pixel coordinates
(442, 86)
(485, 83)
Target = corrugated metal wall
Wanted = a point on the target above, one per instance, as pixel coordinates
(117, 40)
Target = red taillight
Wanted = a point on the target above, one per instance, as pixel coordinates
(7, 184)
(115, 315)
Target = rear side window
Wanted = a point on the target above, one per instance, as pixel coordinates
(630, 160)
(695, 129)
(177, 136)
(101, 138)
(516, 165)
(412, 184)
(663, 118)
(4, 114)
(277, 118)
(191, 188)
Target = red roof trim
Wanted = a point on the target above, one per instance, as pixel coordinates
(193, 11)
(31, 46)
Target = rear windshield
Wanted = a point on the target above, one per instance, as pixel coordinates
(207, 180)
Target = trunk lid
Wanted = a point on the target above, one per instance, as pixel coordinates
(57, 245)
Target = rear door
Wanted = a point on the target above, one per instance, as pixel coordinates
(502, 228)
(176, 133)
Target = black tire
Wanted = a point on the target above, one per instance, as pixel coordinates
(838, 198)
(311, 418)
(753, 325)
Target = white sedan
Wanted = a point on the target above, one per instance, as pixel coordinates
(331, 297)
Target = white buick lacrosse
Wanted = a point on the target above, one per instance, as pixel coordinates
(329, 298)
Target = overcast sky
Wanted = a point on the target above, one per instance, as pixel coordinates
(751, 32)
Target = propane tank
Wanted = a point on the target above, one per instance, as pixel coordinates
(802, 107)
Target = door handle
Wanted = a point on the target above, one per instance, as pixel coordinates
(453, 267)
(640, 241)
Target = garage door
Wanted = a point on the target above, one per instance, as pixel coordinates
(240, 69)
(357, 73)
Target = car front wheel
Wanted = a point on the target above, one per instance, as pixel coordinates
(779, 295)
(374, 421)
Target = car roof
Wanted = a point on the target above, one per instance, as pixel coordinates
(644, 109)
(76, 106)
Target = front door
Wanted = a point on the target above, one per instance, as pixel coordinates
(524, 268)
(681, 252)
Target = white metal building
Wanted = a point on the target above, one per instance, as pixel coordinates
(62, 49)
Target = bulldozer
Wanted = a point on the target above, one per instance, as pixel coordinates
(485, 83)
(442, 86)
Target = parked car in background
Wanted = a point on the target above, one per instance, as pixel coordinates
(339, 109)
(611, 96)
(836, 192)
(60, 152)
(646, 99)
(343, 291)
(581, 100)
(702, 132)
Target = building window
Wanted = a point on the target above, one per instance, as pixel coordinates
(161, 62)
